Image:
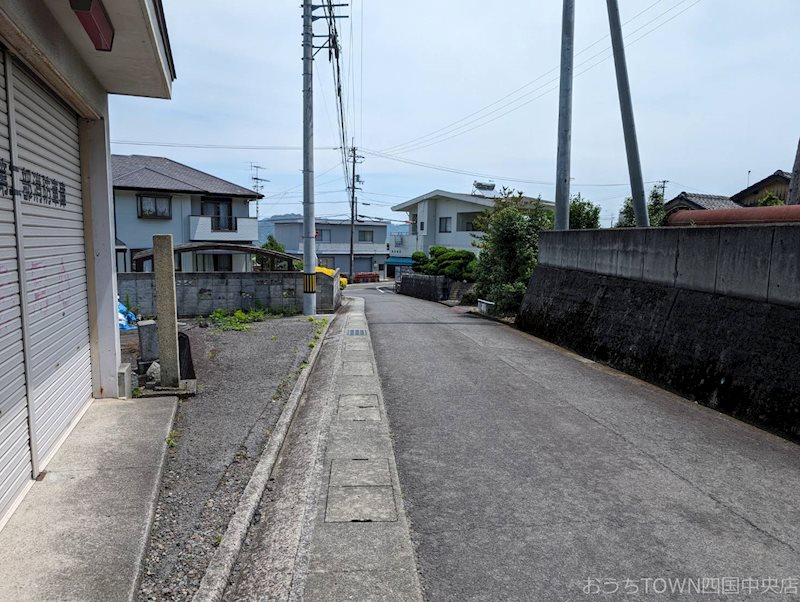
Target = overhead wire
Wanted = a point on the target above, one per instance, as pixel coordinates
(454, 130)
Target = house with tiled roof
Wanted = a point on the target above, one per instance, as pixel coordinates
(156, 195)
(695, 201)
(776, 183)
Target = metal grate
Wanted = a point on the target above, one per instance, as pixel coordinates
(356, 333)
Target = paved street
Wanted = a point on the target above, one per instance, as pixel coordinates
(527, 471)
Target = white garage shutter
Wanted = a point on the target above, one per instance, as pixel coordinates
(49, 182)
(15, 454)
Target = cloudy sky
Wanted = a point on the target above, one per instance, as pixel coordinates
(471, 86)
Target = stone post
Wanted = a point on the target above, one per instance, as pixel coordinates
(166, 309)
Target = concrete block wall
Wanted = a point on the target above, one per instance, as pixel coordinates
(199, 294)
(421, 286)
(760, 262)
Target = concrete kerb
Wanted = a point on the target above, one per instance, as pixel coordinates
(151, 511)
(216, 577)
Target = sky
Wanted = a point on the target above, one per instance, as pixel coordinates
(471, 86)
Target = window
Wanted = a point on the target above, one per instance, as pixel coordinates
(324, 236)
(365, 236)
(223, 263)
(221, 213)
(466, 222)
(422, 227)
(445, 224)
(413, 220)
(327, 262)
(154, 207)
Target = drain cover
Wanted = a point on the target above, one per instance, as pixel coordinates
(356, 333)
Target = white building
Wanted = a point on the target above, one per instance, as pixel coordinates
(333, 243)
(441, 218)
(59, 342)
(155, 195)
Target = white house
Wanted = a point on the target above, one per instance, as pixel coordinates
(442, 218)
(333, 243)
(59, 342)
(155, 195)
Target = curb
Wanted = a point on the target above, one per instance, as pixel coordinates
(151, 511)
(215, 580)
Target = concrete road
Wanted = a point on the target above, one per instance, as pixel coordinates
(532, 474)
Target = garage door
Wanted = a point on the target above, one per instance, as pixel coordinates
(49, 183)
(15, 453)
(362, 264)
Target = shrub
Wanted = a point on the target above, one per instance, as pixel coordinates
(453, 263)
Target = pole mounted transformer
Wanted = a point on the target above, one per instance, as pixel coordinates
(563, 157)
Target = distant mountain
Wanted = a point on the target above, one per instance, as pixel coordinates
(266, 226)
(398, 229)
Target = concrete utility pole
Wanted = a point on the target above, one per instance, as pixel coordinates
(565, 116)
(309, 219)
(794, 183)
(352, 216)
(626, 108)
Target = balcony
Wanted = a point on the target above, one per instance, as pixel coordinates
(223, 228)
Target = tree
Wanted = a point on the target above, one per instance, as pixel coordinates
(509, 249)
(269, 263)
(273, 245)
(655, 210)
(583, 214)
(453, 263)
(770, 200)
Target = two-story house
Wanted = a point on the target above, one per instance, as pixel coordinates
(333, 243)
(154, 195)
(441, 218)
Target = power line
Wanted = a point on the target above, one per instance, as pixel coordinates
(452, 130)
(217, 146)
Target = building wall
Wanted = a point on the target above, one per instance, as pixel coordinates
(429, 212)
(137, 233)
(778, 188)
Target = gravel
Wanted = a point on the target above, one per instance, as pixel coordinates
(244, 379)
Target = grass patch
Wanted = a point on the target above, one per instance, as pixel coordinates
(222, 319)
(172, 438)
(137, 392)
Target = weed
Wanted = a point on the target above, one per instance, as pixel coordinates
(212, 354)
(172, 438)
(312, 344)
(217, 540)
(303, 365)
(274, 337)
(310, 318)
(137, 392)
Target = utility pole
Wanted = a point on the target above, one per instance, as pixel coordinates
(664, 190)
(626, 108)
(794, 183)
(565, 116)
(353, 208)
(309, 219)
(352, 216)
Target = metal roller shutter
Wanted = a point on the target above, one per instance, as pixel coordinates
(362, 264)
(49, 182)
(15, 453)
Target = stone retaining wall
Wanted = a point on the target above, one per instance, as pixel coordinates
(707, 312)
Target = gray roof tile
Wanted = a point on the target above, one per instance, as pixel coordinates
(141, 172)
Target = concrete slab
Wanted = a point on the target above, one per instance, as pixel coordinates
(358, 400)
(743, 270)
(80, 533)
(357, 414)
(365, 586)
(356, 344)
(360, 504)
(357, 369)
(360, 472)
